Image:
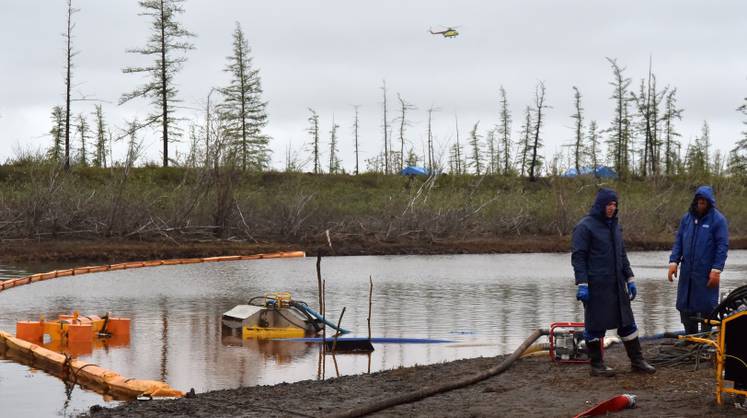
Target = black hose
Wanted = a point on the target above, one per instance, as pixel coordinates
(731, 303)
(434, 390)
(289, 320)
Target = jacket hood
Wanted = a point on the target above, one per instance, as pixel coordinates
(604, 197)
(706, 192)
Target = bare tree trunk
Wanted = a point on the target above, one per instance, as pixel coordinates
(68, 79)
(355, 134)
(540, 100)
(386, 133)
(164, 92)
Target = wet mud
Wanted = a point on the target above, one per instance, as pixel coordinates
(533, 387)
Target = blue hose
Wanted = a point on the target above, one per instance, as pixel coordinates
(662, 335)
(319, 316)
(382, 340)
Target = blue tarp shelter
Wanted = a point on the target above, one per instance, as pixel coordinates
(603, 172)
(414, 171)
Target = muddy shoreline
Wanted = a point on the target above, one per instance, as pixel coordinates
(532, 387)
(78, 252)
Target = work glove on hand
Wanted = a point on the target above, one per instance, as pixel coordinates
(713, 279)
(582, 293)
(672, 271)
(632, 290)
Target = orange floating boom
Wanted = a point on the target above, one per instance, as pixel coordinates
(102, 380)
(9, 284)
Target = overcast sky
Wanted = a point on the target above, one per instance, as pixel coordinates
(330, 55)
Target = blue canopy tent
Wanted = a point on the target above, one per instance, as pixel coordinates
(414, 171)
(602, 172)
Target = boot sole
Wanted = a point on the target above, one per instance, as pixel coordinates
(602, 374)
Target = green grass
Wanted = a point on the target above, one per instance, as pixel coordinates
(39, 201)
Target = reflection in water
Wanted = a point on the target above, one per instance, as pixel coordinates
(279, 352)
(164, 338)
(486, 304)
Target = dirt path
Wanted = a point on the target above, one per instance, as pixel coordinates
(532, 387)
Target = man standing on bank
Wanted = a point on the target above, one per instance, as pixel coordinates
(701, 246)
(605, 282)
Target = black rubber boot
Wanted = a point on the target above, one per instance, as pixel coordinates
(598, 368)
(637, 362)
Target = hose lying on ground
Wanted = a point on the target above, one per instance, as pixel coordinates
(434, 390)
(673, 355)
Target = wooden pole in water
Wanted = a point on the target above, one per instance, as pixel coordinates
(334, 343)
(370, 293)
(319, 289)
(324, 331)
(319, 278)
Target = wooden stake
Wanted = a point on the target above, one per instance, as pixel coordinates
(370, 293)
(334, 342)
(319, 289)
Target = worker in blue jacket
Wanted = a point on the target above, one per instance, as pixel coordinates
(605, 283)
(699, 252)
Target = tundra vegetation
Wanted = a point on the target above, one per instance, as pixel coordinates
(40, 200)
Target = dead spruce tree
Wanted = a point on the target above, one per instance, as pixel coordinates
(386, 129)
(647, 103)
(334, 160)
(82, 128)
(429, 151)
(403, 124)
(243, 112)
(671, 144)
(738, 154)
(455, 157)
(619, 139)
(593, 150)
(524, 142)
(313, 130)
(493, 164)
(356, 129)
(539, 106)
(698, 159)
(99, 153)
(504, 131)
(476, 156)
(578, 126)
(69, 54)
(57, 133)
(167, 38)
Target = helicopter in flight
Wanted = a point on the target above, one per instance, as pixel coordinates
(449, 32)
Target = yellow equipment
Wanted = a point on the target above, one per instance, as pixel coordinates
(274, 315)
(731, 354)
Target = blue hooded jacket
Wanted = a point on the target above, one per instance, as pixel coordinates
(599, 260)
(701, 244)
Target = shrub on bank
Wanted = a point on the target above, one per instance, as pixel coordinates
(41, 201)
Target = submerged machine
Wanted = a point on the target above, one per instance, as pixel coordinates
(275, 315)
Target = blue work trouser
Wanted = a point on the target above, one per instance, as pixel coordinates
(625, 333)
